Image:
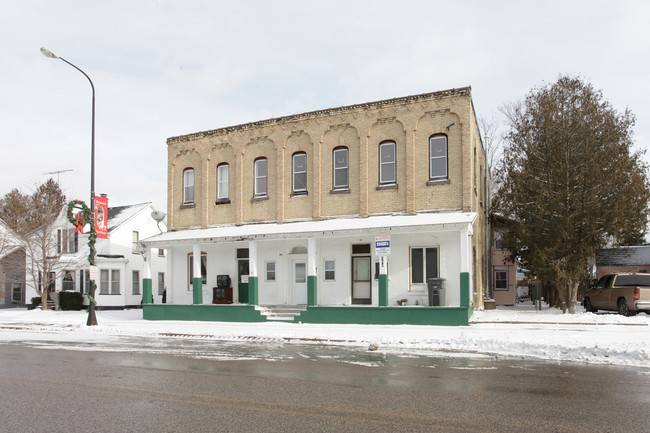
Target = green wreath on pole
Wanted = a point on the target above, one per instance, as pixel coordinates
(79, 220)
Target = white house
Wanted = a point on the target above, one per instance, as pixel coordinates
(120, 259)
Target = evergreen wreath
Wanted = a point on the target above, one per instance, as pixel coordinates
(79, 219)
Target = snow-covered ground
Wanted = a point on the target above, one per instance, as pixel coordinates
(514, 332)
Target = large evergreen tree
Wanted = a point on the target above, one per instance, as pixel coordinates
(570, 182)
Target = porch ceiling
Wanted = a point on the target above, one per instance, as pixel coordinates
(378, 225)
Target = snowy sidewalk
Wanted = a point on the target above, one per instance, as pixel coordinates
(519, 332)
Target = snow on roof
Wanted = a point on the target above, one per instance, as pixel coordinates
(119, 214)
(384, 224)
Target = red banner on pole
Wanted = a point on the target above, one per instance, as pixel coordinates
(101, 217)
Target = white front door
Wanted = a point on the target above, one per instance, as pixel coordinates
(299, 282)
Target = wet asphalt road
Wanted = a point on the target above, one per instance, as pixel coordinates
(208, 386)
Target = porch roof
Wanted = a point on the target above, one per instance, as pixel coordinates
(378, 225)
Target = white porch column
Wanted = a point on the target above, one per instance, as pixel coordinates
(252, 273)
(197, 280)
(169, 274)
(147, 293)
(464, 251)
(312, 298)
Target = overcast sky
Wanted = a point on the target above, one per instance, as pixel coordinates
(164, 68)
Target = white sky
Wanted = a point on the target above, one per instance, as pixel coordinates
(164, 68)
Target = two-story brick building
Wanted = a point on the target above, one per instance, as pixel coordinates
(287, 210)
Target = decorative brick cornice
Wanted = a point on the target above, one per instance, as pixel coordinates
(279, 121)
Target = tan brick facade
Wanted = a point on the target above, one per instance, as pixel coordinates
(409, 122)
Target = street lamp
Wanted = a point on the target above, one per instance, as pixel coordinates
(92, 318)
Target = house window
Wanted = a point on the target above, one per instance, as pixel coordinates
(340, 164)
(16, 293)
(438, 157)
(115, 281)
(161, 252)
(136, 283)
(204, 268)
(135, 242)
(161, 283)
(387, 168)
(103, 282)
(330, 270)
(84, 281)
(68, 281)
(300, 173)
(222, 183)
(67, 241)
(188, 186)
(498, 242)
(109, 281)
(261, 177)
(270, 271)
(500, 280)
(424, 264)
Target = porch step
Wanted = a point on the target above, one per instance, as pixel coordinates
(281, 312)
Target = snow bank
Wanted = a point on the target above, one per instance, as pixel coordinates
(519, 332)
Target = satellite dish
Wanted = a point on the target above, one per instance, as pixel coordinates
(158, 215)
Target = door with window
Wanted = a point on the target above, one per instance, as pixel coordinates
(361, 283)
(299, 282)
(242, 280)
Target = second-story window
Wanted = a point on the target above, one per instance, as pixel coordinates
(67, 241)
(300, 172)
(222, 183)
(188, 186)
(387, 169)
(261, 177)
(340, 165)
(438, 157)
(135, 247)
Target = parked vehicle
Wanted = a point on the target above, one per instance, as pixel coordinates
(626, 293)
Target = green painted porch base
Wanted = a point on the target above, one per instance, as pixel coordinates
(147, 297)
(383, 290)
(438, 316)
(464, 289)
(203, 313)
(197, 291)
(252, 290)
(311, 290)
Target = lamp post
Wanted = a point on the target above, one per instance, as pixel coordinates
(92, 318)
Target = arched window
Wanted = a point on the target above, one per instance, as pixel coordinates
(261, 178)
(299, 250)
(387, 164)
(340, 168)
(299, 169)
(438, 157)
(188, 186)
(223, 195)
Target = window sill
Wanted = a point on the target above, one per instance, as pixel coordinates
(260, 198)
(222, 201)
(187, 205)
(438, 182)
(299, 194)
(387, 186)
(340, 191)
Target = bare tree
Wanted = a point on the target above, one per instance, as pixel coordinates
(33, 217)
